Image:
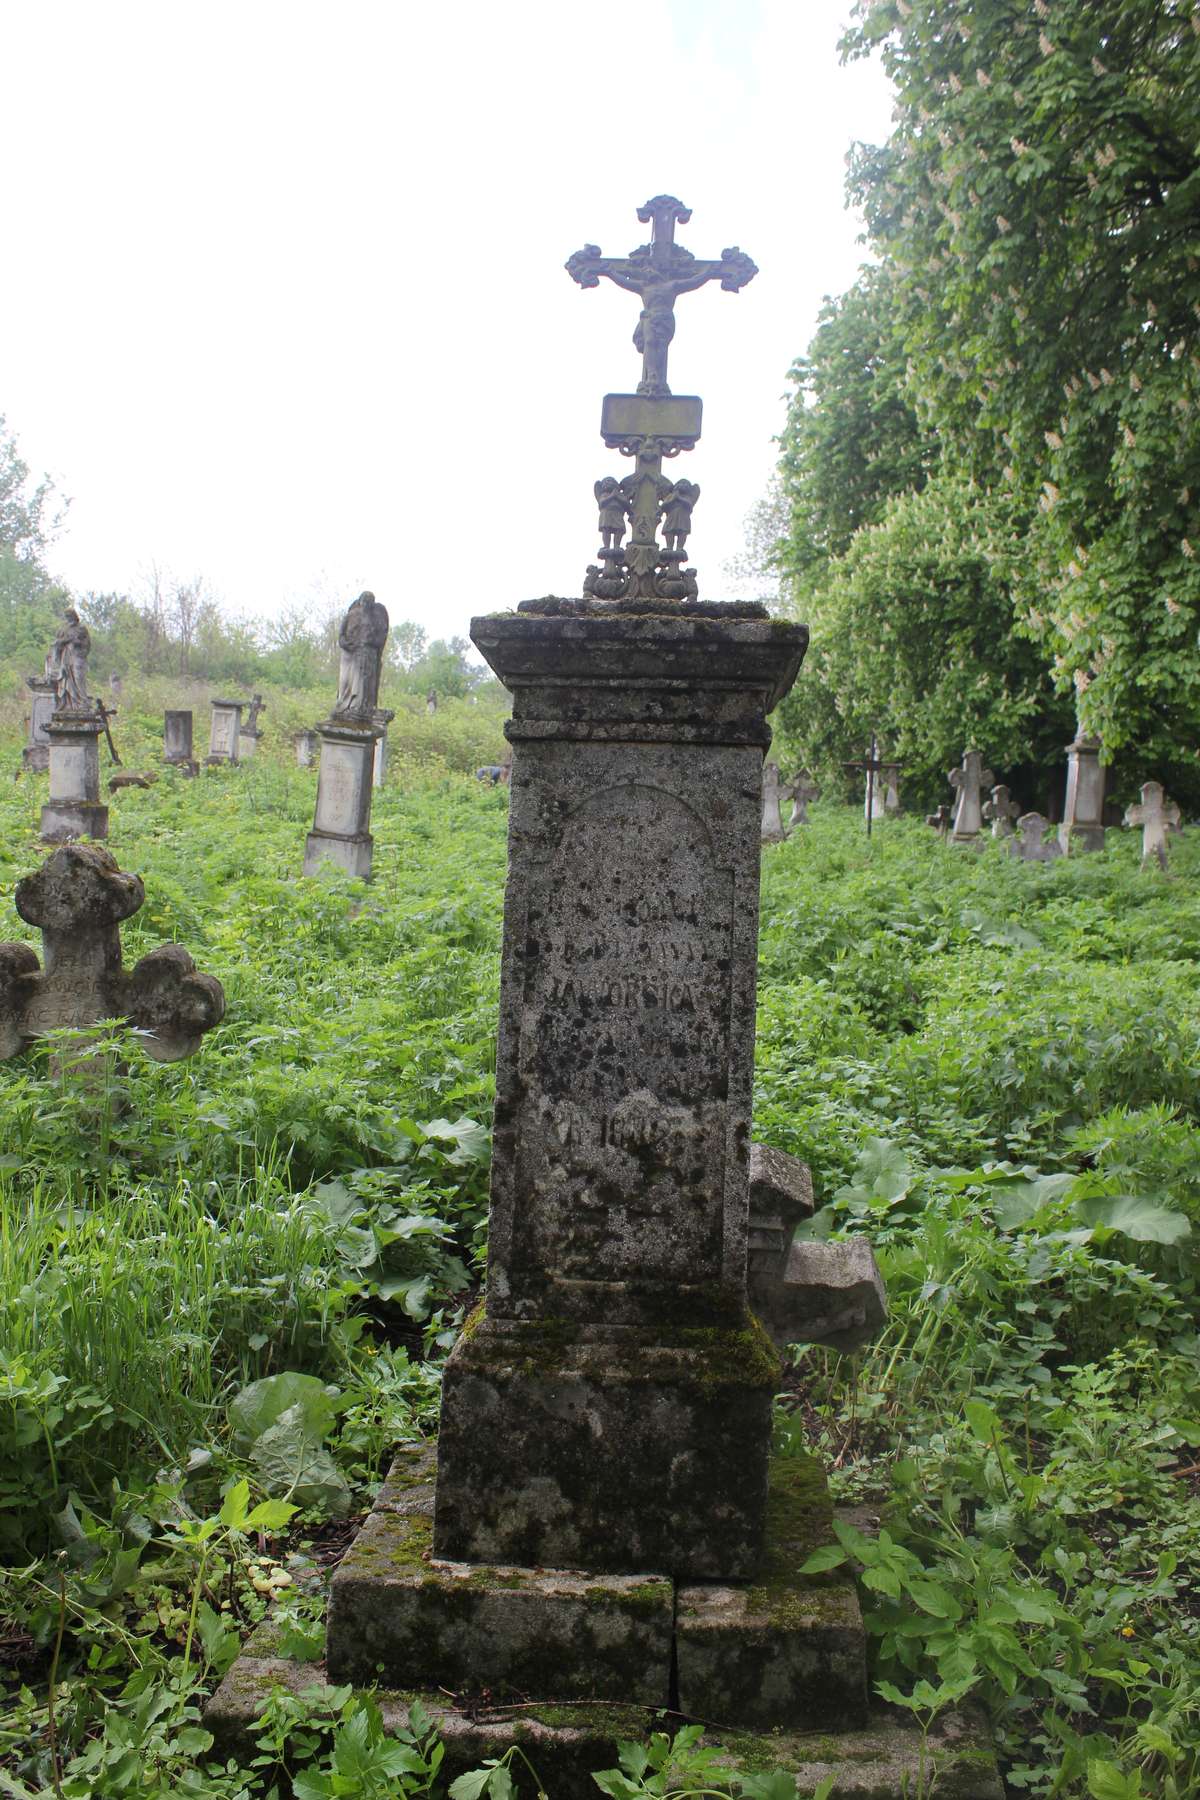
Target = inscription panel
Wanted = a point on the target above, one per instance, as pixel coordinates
(624, 1055)
(341, 788)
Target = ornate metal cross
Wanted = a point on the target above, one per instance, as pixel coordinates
(660, 271)
(651, 424)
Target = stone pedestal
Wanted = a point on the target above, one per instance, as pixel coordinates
(247, 743)
(177, 742)
(73, 809)
(1082, 825)
(43, 690)
(383, 718)
(224, 733)
(616, 1390)
(341, 829)
(306, 748)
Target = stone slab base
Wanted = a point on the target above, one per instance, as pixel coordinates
(63, 820)
(36, 758)
(564, 1450)
(184, 764)
(880, 1761)
(354, 854)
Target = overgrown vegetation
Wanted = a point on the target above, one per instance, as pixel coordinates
(226, 1284)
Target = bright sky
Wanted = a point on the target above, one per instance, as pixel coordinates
(284, 302)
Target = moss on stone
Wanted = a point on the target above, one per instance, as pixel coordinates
(616, 1720)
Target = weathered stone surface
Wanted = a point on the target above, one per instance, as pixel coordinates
(616, 1394)
(779, 1184)
(783, 1650)
(773, 831)
(224, 732)
(78, 899)
(1001, 810)
(383, 717)
(74, 809)
(341, 828)
(822, 1294)
(968, 809)
(567, 1743)
(43, 690)
(177, 741)
(307, 743)
(1157, 816)
(400, 1615)
(563, 1449)
(1031, 843)
(1082, 825)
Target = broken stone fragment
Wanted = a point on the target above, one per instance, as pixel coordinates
(826, 1294)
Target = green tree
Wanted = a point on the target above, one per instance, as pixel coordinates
(30, 601)
(1039, 206)
(912, 639)
(852, 440)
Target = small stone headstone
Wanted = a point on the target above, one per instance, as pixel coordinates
(306, 748)
(772, 819)
(968, 811)
(1031, 843)
(341, 827)
(78, 899)
(941, 820)
(177, 742)
(248, 731)
(803, 790)
(1157, 816)
(224, 733)
(1082, 825)
(1001, 811)
(889, 779)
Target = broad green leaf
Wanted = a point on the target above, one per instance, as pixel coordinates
(263, 1402)
(1108, 1781)
(829, 1556)
(1145, 1221)
(984, 1423)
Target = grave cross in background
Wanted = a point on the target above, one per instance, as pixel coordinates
(1156, 815)
(873, 764)
(651, 423)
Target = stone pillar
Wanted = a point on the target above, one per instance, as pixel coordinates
(341, 830)
(611, 1409)
(177, 741)
(306, 748)
(1082, 825)
(74, 809)
(224, 732)
(44, 689)
(247, 743)
(383, 718)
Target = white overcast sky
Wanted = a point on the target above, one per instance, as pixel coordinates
(283, 301)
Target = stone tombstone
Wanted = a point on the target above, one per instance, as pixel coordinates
(1031, 843)
(224, 733)
(773, 830)
(177, 741)
(941, 820)
(114, 686)
(1157, 816)
(44, 689)
(74, 808)
(1000, 811)
(78, 899)
(616, 1390)
(341, 831)
(383, 717)
(248, 729)
(72, 648)
(306, 748)
(804, 790)
(1082, 825)
(968, 810)
(889, 780)
(874, 796)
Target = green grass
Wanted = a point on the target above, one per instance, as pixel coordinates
(986, 1064)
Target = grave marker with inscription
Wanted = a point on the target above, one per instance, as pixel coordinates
(341, 831)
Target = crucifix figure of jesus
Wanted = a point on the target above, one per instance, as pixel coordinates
(659, 272)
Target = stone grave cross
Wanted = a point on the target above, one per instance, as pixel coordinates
(652, 423)
(1000, 810)
(1156, 815)
(968, 812)
(78, 899)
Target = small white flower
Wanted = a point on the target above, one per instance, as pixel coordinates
(1044, 44)
(1135, 382)
(1129, 435)
(1098, 67)
(983, 78)
(1002, 222)
(1053, 439)
(1185, 546)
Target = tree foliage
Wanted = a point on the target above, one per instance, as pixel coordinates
(1039, 206)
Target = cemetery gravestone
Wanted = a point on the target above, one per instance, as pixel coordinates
(889, 778)
(1156, 815)
(224, 733)
(773, 831)
(1001, 811)
(44, 689)
(74, 808)
(177, 742)
(941, 820)
(341, 828)
(968, 811)
(306, 748)
(804, 790)
(1031, 843)
(383, 717)
(248, 730)
(78, 899)
(1082, 826)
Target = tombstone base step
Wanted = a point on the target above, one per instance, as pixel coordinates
(35, 758)
(354, 854)
(63, 820)
(882, 1760)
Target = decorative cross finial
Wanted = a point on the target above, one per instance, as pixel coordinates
(659, 272)
(78, 898)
